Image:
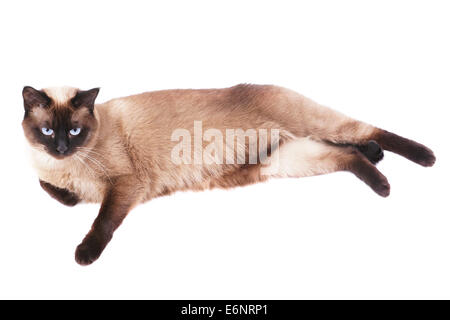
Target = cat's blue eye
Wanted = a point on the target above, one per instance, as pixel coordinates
(47, 131)
(75, 131)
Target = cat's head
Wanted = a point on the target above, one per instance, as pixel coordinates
(59, 120)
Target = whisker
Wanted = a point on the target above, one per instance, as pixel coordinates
(91, 173)
(97, 163)
(90, 151)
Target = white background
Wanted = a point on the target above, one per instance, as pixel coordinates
(384, 62)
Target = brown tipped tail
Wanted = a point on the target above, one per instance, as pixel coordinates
(409, 149)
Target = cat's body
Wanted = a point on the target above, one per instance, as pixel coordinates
(126, 155)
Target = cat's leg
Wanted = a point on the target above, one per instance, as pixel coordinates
(307, 157)
(329, 125)
(118, 201)
(62, 195)
(372, 151)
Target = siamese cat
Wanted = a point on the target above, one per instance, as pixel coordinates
(124, 152)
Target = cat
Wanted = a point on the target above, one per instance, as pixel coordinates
(121, 153)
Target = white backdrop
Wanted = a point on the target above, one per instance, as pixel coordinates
(384, 62)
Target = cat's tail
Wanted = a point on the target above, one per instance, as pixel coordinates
(409, 149)
(332, 126)
(371, 141)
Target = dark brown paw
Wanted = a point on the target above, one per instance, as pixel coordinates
(368, 173)
(70, 199)
(62, 195)
(372, 151)
(382, 188)
(89, 250)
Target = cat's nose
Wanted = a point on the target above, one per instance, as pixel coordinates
(62, 148)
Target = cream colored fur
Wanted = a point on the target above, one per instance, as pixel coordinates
(134, 139)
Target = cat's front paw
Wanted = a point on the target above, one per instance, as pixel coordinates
(70, 199)
(64, 196)
(89, 250)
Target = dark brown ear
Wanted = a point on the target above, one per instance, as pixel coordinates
(85, 98)
(34, 98)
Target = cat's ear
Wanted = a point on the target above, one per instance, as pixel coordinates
(34, 98)
(85, 98)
